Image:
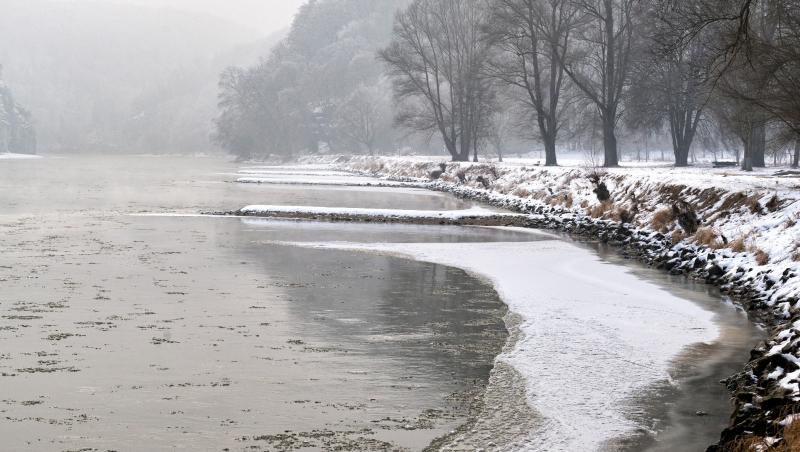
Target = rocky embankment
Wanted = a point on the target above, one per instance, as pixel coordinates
(739, 233)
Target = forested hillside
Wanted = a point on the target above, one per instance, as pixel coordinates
(322, 86)
(17, 133)
(113, 78)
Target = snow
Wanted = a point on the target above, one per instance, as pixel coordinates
(276, 210)
(317, 180)
(10, 156)
(593, 336)
(293, 172)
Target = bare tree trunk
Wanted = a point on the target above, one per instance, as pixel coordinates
(759, 144)
(610, 143)
(796, 159)
(550, 151)
(682, 155)
(747, 158)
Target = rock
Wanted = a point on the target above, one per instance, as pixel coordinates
(715, 271)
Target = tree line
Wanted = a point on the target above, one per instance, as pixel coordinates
(471, 75)
(17, 134)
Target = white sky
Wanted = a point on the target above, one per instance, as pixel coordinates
(263, 16)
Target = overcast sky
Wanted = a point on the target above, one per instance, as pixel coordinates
(263, 16)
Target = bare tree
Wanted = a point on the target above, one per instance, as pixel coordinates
(670, 82)
(437, 60)
(599, 61)
(757, 61)
(532, 36)
(362, 118)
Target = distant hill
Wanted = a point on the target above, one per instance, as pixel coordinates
(322, 88)
(118, 78)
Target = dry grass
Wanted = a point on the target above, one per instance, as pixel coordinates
(762, 257)
(623, 215)
(737, 246)
(662, 219)
(568, 200)
(678, 236)
(373, 166)
(754, 205)
(709, 198)
(563, 199)
(791, 436)
(569, 177)
(673, 192)
(796, 255)
(709, 238)
(521, 192)
(734, 200)
(790, 443)
(773, 204)
(600, 210)
(748, 444)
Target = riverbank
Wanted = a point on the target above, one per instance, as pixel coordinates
(738, 232)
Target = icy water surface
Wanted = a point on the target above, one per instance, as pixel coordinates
(123, 332)
(127, 332)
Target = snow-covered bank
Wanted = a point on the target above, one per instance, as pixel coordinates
(737, 231)
(350, 181)
(351, 212)
(583, 358)
(10, 156)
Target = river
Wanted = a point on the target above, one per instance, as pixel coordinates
(129, 322)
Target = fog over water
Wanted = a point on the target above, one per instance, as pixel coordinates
(137, 76)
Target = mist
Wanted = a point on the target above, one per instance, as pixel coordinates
(263, 17)
(128, 76)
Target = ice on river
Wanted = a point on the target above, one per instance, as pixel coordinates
(593, 336)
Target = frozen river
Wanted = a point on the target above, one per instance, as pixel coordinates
(122, 331)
